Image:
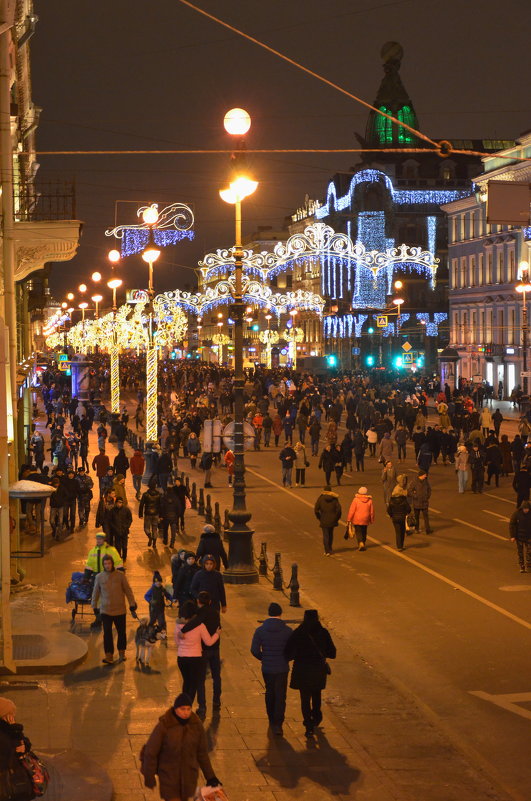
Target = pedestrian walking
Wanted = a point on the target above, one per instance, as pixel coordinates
(205, 464)
(149, 511)
(193, 447)
(301, 463)
(309, 646)
(208, 579)
(388, 480)
(85, 485)
(208, 616)
(268, 646)
(211, 543)
(359, 447)
(287, 457)
(175, 751)
(461, 468)
(418, 494)
(170, 513)
(137, 465)
(189, 654)
(361, 515)
(121, 519)
(111, 589)
(520, 533)
(121, 463)
(229, 464)
(398, 509)
(327, 510)
(521, 485)
(476, 459)
(183, 576)
(156, 596)
(387, 448)
(372, 440)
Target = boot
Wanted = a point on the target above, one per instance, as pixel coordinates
(109, 659)
(121, 656)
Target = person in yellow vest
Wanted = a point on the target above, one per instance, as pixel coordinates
(94, 564)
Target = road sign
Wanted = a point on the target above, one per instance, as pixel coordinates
(382, 321)
(410, 358)
(407, 347)
(248, 436)
(64, 366)
(62, 357)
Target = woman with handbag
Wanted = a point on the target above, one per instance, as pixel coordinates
(310, 646)
(22, 776)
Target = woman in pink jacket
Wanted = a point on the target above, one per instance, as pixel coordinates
(361, 515)
(190, 657)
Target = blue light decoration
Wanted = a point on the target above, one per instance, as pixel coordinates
(432, 326)
(346, 325)
(402, 197)
(135, 240)
(527, 233)
(431, 224)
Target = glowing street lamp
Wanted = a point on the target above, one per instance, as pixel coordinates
(96, 277)
(96, 299)
(82, 288)
(241, 568)
(114, 256)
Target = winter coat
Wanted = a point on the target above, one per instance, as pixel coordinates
(192, 644)
(330, 458)
(520, 525)
(300, 457)
(387, 447)
(175, 751)
(119, 490)
(193, 446)
(137, 464)
(461, 461)
(11, 737)
(287, 456)
(121, 463)
(170, 505)
(121, 521)
(419, 492)
(182, 581)
(268, 645)
(96, 554)
(309, 646)
(150, 503)
(507, 459)
(210, 619)
(110, 591)
(72, 488)
(165, 464)
(398, 507)
(361, 512)
(212, 544)
(425, 456)
(328, 509)
(212, 582)
(59, 498)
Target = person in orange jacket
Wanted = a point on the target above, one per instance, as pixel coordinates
(361, 515)
(229, 464)
(137, 464)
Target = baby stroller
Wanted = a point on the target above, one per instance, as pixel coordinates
(79, 592)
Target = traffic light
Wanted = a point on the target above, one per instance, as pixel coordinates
(255, 327)
(398, 361)
(369, 361)
(332, 360)
(370, 330)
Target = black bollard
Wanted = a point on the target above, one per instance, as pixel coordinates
(277, 573)
(226, 525)
(201, 503)
(183, 478)
(293, 586)
(208, 510)
(217, 519)
(262, 568)
(193, 496)
(187, 483)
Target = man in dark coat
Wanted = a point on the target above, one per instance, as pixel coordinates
(269, 642)
(211, 543)
(521, 484)
(72, 489)
(520, 532)
(121, 519)
(418, 494)
(210, 580)
(476, 460)
(175, 750)
(328, 512)
(149, 510)
(171, 513)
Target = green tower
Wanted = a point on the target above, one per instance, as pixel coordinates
(392, 98)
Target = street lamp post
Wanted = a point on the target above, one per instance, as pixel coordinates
(524, 287)
(150, 256)
(241, 569)
(113, 284)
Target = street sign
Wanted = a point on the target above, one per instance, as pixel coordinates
(62, 357)
(410, 358)
(382, 321)
(64, 366)
(407, 347)
(248, 436)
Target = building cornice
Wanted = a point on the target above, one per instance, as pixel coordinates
(37, 243)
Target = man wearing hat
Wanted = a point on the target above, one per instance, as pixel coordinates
(94, 563)
(418, 495)
(269, 641)
(14, 744)
(210, 542)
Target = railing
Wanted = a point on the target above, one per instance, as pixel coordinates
(52, 200)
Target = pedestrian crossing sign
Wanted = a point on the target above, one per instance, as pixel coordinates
(381, 321)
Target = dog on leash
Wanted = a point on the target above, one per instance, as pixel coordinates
(146, 638)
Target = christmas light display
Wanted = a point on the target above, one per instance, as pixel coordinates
(151, 395)
(431, 326)
(268, 338)
(220, 340)
(115, 379)
(293, 335)
(173, 223)
(431, 224)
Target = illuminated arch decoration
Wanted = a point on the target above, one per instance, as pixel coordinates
(432, 324)
(174, 224)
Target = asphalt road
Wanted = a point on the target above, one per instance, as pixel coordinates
(447, 621)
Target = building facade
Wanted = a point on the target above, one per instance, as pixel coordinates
(485, 308)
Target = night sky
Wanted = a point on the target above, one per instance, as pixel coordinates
(129, 74)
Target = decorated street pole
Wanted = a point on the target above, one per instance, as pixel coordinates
(241, 569)
(293, 335)
(150, 256)
(113, 284)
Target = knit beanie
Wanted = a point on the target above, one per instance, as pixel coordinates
(157, 576)
(182, 700)
(275, 610)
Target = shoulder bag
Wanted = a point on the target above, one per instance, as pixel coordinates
(327, 667)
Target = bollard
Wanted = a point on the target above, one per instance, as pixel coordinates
(208, 510)
(183, 477)
(262, 568)
(141, 444)
(226, 525)
(217, 519)
(293, 586)
(187, 483)
(193, 496)
(277, 573)
(201, 503)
